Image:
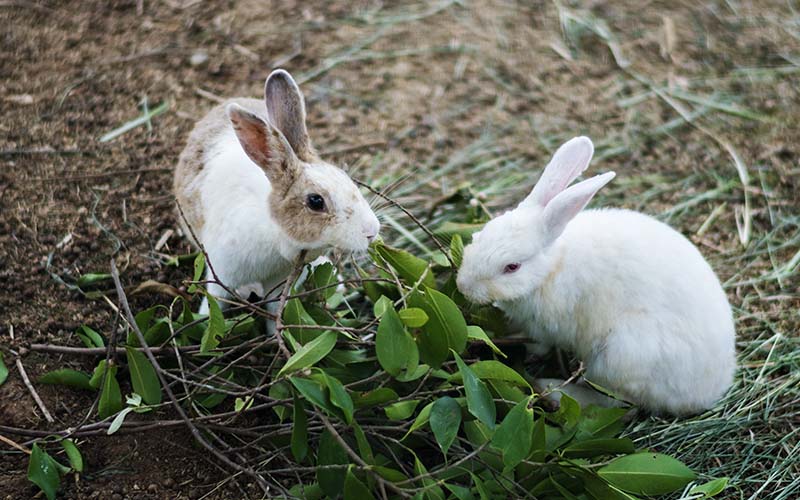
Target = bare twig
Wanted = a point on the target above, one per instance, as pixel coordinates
(33, 392)
(97, 351)
(14, 444)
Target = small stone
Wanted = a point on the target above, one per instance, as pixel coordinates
(116, 496)
(152, 488)
(169, 482)
(198, 58)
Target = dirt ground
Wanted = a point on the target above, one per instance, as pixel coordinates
(392, 89)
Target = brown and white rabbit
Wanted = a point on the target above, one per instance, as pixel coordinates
(255, 192)
(629, 295)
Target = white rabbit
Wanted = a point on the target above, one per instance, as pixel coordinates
(630, 296)
(255, 193)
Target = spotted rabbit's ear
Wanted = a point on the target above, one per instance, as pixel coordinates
(566, 204)
(286, 110)
(265, 146)
(569, 161)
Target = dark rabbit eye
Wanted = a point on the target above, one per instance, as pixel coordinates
(315, 202)
(511, 268)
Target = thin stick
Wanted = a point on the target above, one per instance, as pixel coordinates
(287, 288)
(99, 351)
(33, 391)
(14, 444)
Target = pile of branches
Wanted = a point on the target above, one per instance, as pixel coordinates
(382, 385)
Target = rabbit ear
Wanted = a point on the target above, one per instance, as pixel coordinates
(568, 162)
(566, 205)
(265, 145)
(287, 112)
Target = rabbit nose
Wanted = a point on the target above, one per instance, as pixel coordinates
(371, 230)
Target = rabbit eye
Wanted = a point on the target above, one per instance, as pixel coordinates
(511, 268)
(315, 202)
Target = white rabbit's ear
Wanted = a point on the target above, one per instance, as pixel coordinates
(265, 145)
(569, 202)
(569, 161)
(287, 112)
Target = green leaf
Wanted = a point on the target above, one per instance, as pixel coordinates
(110, 395)
(477, 433)
(364, 449)
(432, 489)
(311, 353)
(330, 452)
(43, 472)
(538, 441)
(401, 410)
(3, 370)
(596, 447)
(446, 328)
(216, 326)
(598, 422)
(389, 474)
(306, 491)
(295, 314)
(569, 412)
(479, 399)
(409, 267)
(513, 435)
(494, 370)
(143, 376)
(74, 456)
(97, 374)
(711, 488)
(457, 249)
(459, 492)
(199, 266)
(299, 431)
(313, 392)
(66, 376)
(89, 337)
(339, 396)
(382, 305)
(355, 489)
(445, 421)
(422, 419)
(413, 317)
(647, 474)
(375, 397)
(396, 350)
(90, 279)
(323, 276)
(239, 404)
(118, 421)
(280, 390)
(476, 333)
(482, 491)
(411, 376)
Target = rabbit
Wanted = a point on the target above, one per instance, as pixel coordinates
(630, 296)
(255, 193)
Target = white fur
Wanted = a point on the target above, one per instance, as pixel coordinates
(630, 296)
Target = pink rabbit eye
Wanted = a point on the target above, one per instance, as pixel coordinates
(511, 268)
